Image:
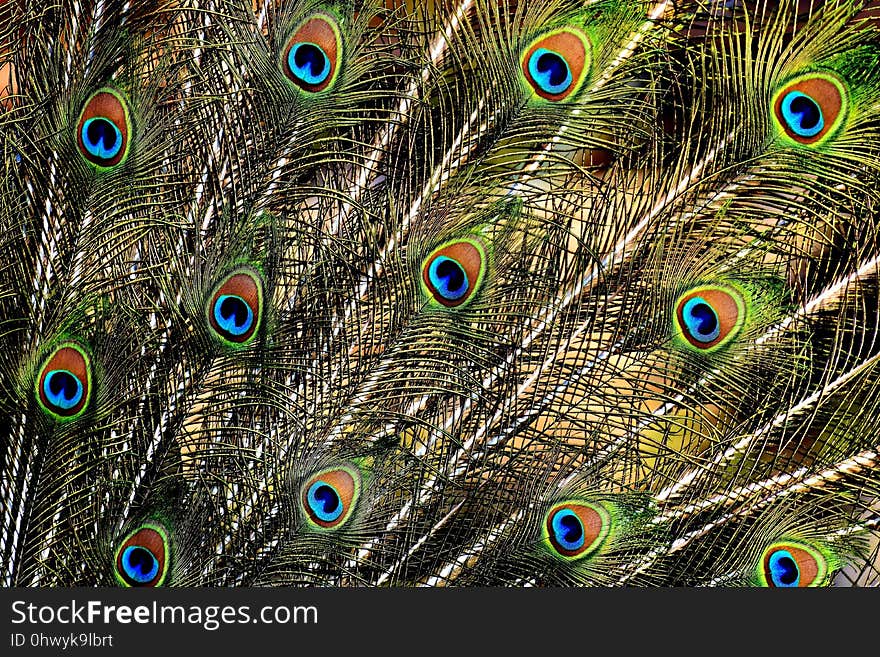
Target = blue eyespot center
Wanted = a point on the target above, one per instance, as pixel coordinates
(784, 571)
(449, 278)
(550, 71)
(233, 315)
(63, 389)
(701, 320)
(309, 63)
(568, 530)
(140, 564)
(802, 114)
(324, 501)
(101, 138)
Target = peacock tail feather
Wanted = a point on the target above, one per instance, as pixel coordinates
(440, 293)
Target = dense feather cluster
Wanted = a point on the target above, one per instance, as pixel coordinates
(453, 292)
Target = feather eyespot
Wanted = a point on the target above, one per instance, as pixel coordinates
(235, 307)
(454, 272)
(142, 558)
(709, 316)
(64, 382)
(810, 108)
(789, 564)
(103, 132)
(575, 529)
(329, 497)
(556, 64)
(311, 56)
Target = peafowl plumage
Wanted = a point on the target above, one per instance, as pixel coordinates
(442, 293)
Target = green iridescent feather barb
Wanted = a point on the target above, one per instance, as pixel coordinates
(439, 293)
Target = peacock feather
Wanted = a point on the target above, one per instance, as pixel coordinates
(441, 292)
